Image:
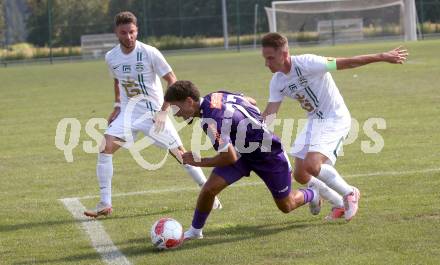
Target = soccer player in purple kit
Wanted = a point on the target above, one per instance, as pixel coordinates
(236, 129)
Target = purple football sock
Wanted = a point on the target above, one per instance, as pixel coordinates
(308, 195)
(199, 219)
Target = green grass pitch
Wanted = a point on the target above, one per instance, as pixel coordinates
(399, 217)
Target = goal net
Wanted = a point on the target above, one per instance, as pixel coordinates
(331, 21)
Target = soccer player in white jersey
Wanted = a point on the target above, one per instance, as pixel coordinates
(306, 78)
(136, 69)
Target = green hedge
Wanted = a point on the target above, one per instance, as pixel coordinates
(28, 51)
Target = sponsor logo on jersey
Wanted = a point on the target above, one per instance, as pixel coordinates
(116, 66)
(293, 87)
(302, 81)
(139, 67)
(216, 100)
(126, 68)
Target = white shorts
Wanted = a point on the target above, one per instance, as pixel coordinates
(322, 136)
(127, 131)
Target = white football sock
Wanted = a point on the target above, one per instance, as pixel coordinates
(196, 173)
(331, 177)
(326, 193)
(104, 171)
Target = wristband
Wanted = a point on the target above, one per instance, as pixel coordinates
(331, 64)
(117, 105)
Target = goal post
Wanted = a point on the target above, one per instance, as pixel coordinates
(343, 20)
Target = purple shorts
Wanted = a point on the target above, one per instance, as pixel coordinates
(275, 171)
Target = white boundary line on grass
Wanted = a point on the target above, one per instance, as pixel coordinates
(110, 254)
(101, 241)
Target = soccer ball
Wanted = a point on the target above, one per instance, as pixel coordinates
(166, 233)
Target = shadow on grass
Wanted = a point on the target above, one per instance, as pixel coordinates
(52, 223)
(141, 246)
(16, 227)
(163, 212)
(227, 235)
(92, 256)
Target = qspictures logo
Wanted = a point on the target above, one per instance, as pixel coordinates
(68, 134)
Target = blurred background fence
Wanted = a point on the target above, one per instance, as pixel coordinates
(32, 29)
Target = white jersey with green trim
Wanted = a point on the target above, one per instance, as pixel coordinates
(138, 74)
(310, 83)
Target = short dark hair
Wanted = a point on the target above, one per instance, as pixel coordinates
(181, 90)
(125, 17)
(274, 40)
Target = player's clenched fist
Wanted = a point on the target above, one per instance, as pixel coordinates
(189, 158)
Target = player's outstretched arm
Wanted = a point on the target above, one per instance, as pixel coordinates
(395, 56)
(228, 157)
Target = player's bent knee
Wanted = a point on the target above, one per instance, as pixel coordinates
(214, 185)
(110, 144)
(284, 205)
(210, 191)
(107, 150)
(301, 176)
(284, 209)
(312, 168)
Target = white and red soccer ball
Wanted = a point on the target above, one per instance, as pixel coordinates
(166, 233)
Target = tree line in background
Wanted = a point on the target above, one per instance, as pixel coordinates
(168, 24)
(182, 18)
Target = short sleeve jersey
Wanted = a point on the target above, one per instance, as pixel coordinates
(138, 74)
(228, 118)
(310, 83)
